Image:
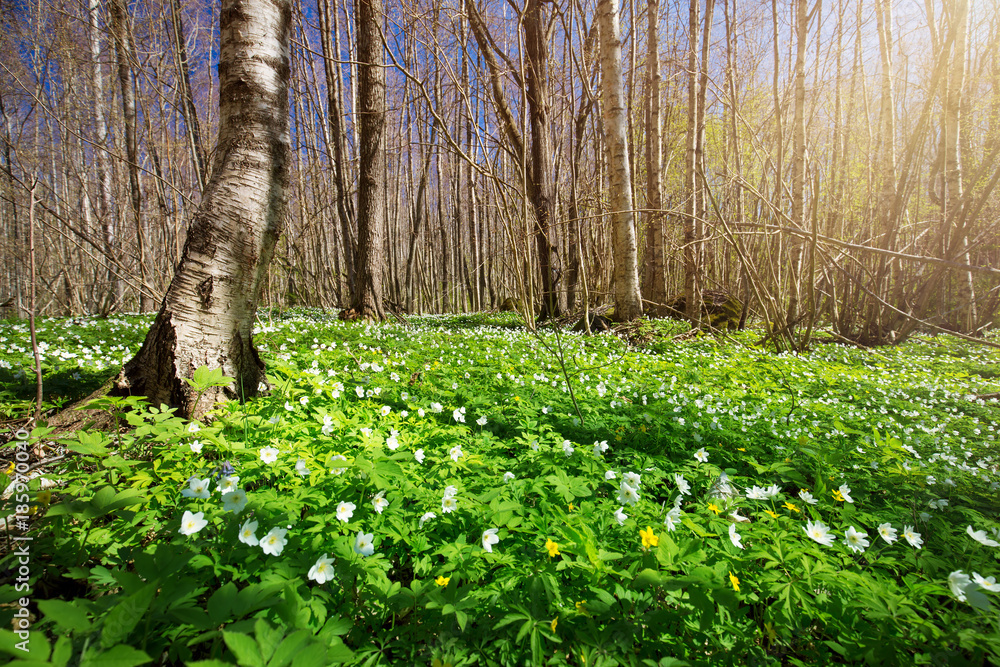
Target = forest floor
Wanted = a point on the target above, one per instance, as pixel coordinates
(457, 490)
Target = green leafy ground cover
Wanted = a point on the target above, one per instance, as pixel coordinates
(430, 494)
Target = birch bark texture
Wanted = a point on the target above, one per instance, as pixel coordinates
(207, 315)
(628, 303)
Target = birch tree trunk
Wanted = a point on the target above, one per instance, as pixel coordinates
(628, 303)
(207, 315)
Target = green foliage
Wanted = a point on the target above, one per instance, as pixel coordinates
(664, 525)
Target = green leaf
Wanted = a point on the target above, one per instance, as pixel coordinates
(87, 442)
(244, 648)
(267, 638)
(37, 645)
(313, 655)
(125, 615)
(65, 614)
(220, 605)
(288, 648)
(118, 656)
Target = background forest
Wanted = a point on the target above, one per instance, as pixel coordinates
(832, 161)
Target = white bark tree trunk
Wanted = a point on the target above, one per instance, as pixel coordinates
(207, 315)
(628, 303)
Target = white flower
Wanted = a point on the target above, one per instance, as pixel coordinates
(247, 533)
(913, 538)
(385, 410)
(300, 467)
(196, 446)
(772, 491)
(450, 491)
(756, 493)
(701, 455)
(980, 536)
(234, 501)
(609, 475)
(819, 532)
(379, 502)
(427, 517)
(632, 479)
(507, 476)
(197, 488)
(192, 523)
(481, 421)
(739, 517)
(620, 516)
(887, 532)
(924, 516)
(448, 504)
(627, 495)
(304, 401)
(600, 447)
(420, 412)
(846, 492)
(392, 443)
(672, 519)
(958, 583)
(338, 464)
(682, 484)
(274, 542)
(268, 454)
(360, 391)
(345, 511)
(289, 406)
(455, 453)
(193, 427)
(986, 583)
(735, 537)
(419, 455)
(855, 541)
(437, 407)
(807, 497)
(322, 571)
(938, 504)
(458, 414)
(327, 425)
(490, 538)
(567, 448)
(363, 544)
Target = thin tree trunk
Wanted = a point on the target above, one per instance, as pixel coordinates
(372, 168)
(122, 32)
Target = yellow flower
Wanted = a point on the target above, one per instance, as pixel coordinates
(9, 469)
(552, 547)
(734, 580)
(442, 581)
(837, 495)
(571, 507)
(649, 538)
(643, 428)
(741, 449)
(771, 514)
(713, 507)
(581, 607)
(792, 507)
(554, 622)
(44, 497)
